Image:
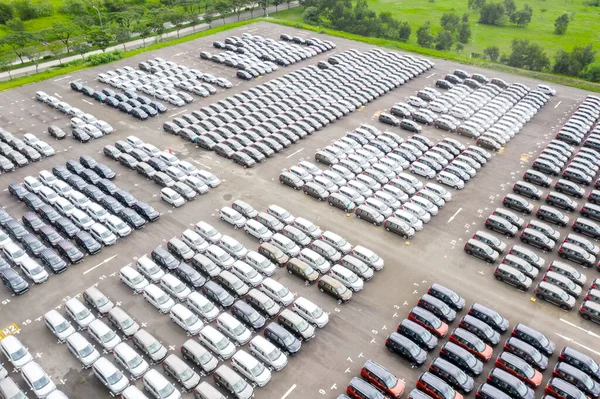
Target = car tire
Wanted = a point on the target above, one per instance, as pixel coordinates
(387, 229)
(358, 216)
(562, 255)
(585, 316)
(469, 252)
(487, 226)
(499, 278)
(489, 261)
(321, 289)
(540, 296)
(576, 229)
(564, 307)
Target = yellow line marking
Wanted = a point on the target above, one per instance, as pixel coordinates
(9, 330)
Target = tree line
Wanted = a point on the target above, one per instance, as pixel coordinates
(105, 23)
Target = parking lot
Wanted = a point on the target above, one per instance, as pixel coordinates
(357, 330)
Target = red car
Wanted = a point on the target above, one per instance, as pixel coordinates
(471, 343)
(519, 368)
(429, 321)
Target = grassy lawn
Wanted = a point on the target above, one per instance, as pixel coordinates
(584, 28)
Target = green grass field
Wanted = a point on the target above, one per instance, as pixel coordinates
(584, 27)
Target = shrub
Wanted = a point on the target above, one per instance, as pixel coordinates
(104, 58)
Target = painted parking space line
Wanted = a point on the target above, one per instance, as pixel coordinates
(558, 104)
(580, 328)
(430, 75)
(453, 216)
(64, 77)
(289, 391)
(100, 264)
(577, 343)
(294, 153)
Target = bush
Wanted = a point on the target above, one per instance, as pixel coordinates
(6, 12)
(104, 58)
(29, 10)
(311, 16)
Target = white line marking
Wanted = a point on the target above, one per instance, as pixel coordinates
(453, 216)
(558, 104)
(57, 95)
(177, 113)
(291, 155)
(575, 342)
(289, 391)
(430, 75)
(86, 101)
(580, 328)
(64, 77)
(101, 263)
(206, 166)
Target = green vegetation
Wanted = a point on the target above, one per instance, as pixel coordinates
(516, 34)
(108, 57)
(397, 45)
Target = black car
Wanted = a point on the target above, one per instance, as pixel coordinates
(112, 102)
(112, 152)
(104, 171)
(17, 191)
(61, 172)
(217, 294)
(56, 132)
(88, 161)
(4, 217)
(107, 187)
(157, 164)
(85, 241)
(149, 110)
(17, 158)
(31, 153)
(164, 259)
(69, 251)
(146, 211)
(50, 236)
(90, 176)
(80, 135)
(76, 182)
(282, 338)
(53, 261)
(33, 202)
(139, 113)
(111, 205)
(128, 161)
(444, 84)
(248, 315)
(244, 75)
(13, 281)
(33, 246)
(32, 221)
(124, 107)
(66, 227)
(76, 86)
(87, 90)
(125, 198)
(75, 167)
(132, 218)
(93, 193)
(49, 214)
(190, 276)
(158, 106)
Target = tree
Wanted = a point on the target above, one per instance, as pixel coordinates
(81, 46)
(527, 55)
(522, 17)
(6, 13)
(57, 48)
(73, 7)
(311, 16)
(222, 7)
(277, 3)
(238, 7)
(492, 52)
(444, 40)
(449, 21)
(404, 31)
(128, 18)
(34, 53)
(424, 36)
(17, 41)
(144, 31)
(6, 63)
(464, 32)
(591, 73)
(459, 47)
(122, 35)
(209, 17)
(492, 14)
(100, 38)
(574, 62)
(465, 18)
(476, 5)
(510, 6)
(561, 24)
(177, 17)
(15, 25)
(64, 32)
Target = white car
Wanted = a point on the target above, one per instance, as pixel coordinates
(171, 197)
(103, 126)
(93, 131)
(44, 148)
(102, 234)
(34, 271)
(175, 100)
(422, 170)
(97, 212)
(450, 180)
(185, 319)
(37, 379)
(30, 139)
(547, 90)
(118, 226)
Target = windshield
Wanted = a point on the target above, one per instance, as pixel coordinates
(154, 347)
(105, 234)
(166, 391)
(191, 320)
(222, 344)
(239, 386)
(41, 383)
(162, 299)
(116, 377)
(136, 361)
(109, 336)
(341, 289)
(62, 326)
(88, 350)
(127, 323)
(207, 307)
(179, 288)
(18, 254)
(288, 340)
(102, 301)
(258, 369)
(187, 374)
(83, 314)
(283, 292)
(303, 326)
(239, 330)
(19, 353)
(137, 279)
(36, 270)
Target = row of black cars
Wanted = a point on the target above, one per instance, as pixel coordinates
(78, 202)
(138, 106)
(265, 119)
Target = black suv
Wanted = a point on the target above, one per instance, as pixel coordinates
(248, 315)
(282, 338)
(69, 251)
(52, 261)
(32, 221)
(190, 276)
(85, 241)
(164, 259)
(146, 211)
(66, 227)
(132, 218)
